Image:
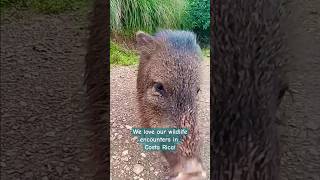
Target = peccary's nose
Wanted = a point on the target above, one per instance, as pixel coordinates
(191, 169)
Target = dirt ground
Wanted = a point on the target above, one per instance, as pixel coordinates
(300, 130)
(42, 100)
(128, 160)
(42, 96)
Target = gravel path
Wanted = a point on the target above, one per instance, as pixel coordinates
(42, 63)
(128, 161)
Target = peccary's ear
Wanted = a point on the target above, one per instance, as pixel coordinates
(146, 44)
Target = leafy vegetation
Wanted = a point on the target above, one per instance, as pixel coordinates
(197, 19)
(122, 56)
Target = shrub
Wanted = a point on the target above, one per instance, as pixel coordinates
(197, 19)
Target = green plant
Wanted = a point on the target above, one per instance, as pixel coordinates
(129, 16)
(197, 19)
(122, 56)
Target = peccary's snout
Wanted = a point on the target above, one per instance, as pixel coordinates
(190, 169)
(188, 165)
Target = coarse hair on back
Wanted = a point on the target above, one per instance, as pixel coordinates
(179, 40)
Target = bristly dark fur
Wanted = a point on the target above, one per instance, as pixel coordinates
(97, 82)
(247, 89)
(185, 41)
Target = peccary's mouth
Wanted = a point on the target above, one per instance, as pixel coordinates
(190, 176)
(190, 170)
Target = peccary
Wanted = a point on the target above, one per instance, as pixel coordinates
(247, 88)
(167, 87)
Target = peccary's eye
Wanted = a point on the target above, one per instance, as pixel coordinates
(198, 90)
(158, 87)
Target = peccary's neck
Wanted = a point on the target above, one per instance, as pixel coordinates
(246, 88)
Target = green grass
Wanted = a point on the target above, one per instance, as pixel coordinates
(122, 56)
(206, 53)
(44, 6)
(129, 16)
